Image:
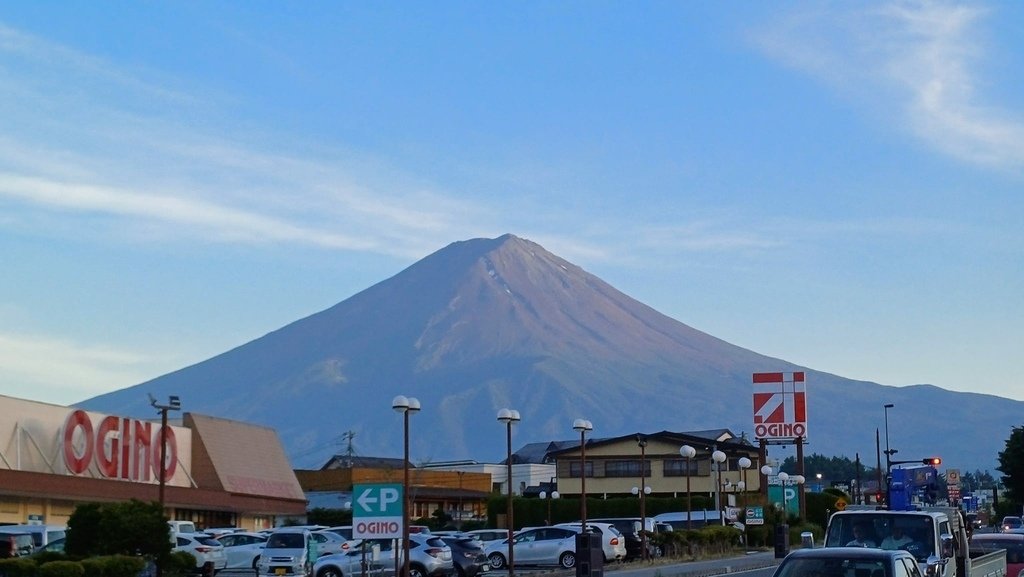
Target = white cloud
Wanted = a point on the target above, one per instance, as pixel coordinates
(132, 158)
(917, 59)
(53, 370)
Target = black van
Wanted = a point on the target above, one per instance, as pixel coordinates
(15, 545)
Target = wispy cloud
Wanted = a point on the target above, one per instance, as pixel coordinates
(53, 369)
(129, 158)
(917, 59)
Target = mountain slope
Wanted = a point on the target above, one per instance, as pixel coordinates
(490, 323)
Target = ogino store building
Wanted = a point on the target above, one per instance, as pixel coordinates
(218, 472)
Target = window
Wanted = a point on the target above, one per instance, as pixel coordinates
(574, 469)
(677, 467)
(626, 468)
(900, 569)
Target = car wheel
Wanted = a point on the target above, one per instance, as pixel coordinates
(459, 571)
(567, 560)
(256, 563)
(417, 571)
(329, 572)
(497, 560)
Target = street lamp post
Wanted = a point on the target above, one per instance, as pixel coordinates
(766, 470)
(744, 464)
(888, 455)
(173, 404)
(688, 452)
(554, 495)
(798, 482)
(509, 417)
(458, 522)
(583, 426)
(643, 490)
(407, 406)
(783, 477)
(718, 457)
(642, 494)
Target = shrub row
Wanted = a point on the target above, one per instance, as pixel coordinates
(180, 563)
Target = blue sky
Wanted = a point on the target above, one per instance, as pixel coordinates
(835, 184)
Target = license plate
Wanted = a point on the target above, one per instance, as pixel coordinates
(280, 571)
(485, 568)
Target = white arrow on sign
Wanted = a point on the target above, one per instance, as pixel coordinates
(365, 500)
(387, 497)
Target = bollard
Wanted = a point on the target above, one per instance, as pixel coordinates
(781, 540)
(807, 540)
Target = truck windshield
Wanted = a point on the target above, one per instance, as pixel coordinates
(913, 533)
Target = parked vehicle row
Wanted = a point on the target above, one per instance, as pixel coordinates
(429, 556)
(554, 545)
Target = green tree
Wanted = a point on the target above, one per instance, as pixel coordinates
(128, 528)
(83, 531)
(1011, 465)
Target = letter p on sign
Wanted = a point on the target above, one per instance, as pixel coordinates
(388, 496)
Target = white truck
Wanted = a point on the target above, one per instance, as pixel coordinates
(936, 536)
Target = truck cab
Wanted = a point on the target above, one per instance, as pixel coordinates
(936, 537)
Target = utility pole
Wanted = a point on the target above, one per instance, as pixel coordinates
(173, 404)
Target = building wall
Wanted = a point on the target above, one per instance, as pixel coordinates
(47, 511)
(53, 458)
(657, 454)
(43, 438)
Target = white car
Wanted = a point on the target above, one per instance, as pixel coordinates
(207, 551)
(243, 549)
(612, 541)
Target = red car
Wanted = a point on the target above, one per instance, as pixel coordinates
(1012, 542)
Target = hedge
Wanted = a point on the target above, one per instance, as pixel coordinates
(61, 569)
(18, 567)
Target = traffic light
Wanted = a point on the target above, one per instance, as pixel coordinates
(933, 461)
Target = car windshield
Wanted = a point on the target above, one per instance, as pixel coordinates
(911, 533)
(286, 541)
(833, 568)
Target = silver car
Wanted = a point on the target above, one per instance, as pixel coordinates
(428, 557)
(536, 546)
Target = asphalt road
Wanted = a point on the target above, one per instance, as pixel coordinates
(759, 564)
